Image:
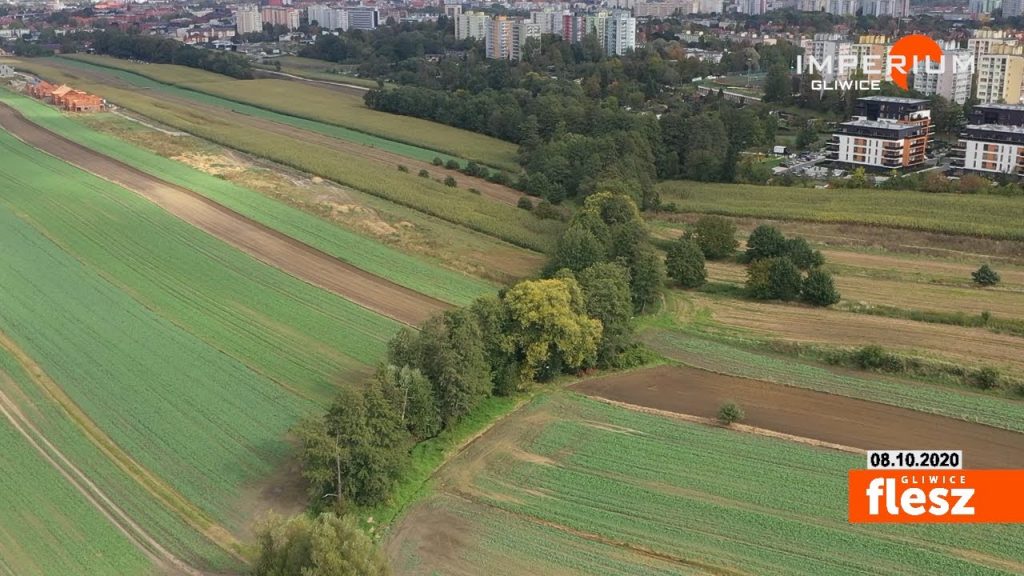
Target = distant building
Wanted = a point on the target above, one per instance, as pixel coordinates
(1013, 8)
(1000, 73)
(992, 141)
(619, 34)
(875, 47)
(471, 25)
(885, 132)
(452, 10)
(549, 21)
(831, 47)
(6, 71)
(842, 7)
(327, 17)
(893, 8)
(752, 7)
(952, 81)
(363, 18)
(280, 16)
(248, 19)
(521, 32)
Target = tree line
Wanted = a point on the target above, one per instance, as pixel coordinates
(167, 51)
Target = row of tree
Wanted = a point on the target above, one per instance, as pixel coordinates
(167, 51)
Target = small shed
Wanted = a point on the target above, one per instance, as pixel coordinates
(780, 150)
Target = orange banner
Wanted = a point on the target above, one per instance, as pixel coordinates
(933, 496)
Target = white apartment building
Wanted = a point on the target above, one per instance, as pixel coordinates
(280, 16)
(951, 81)
(885, 132)
(471, 25)
(982, 42)
(619, 34)
(1013, 8)
(363, 18)
(549, 21)
(1000, 74)
(993, 140)
(842, 7)
(327, 17)
(248, 19)
(752, 7)
(834, 47)
(982, 6)
(894, 8)
(521, 32)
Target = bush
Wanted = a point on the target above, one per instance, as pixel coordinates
(800, 252)
(452, 165)
(402, 168)
(684, 263)
(774, 279)
(450, 182)
(545, 211)
(985, 276)
(716, 237)
(871, 357)
(474, 191)
(437, 161)
(819, 289)
(525, 203)
(765, 242)
(424, 173)
(729, 413)
(985, 378)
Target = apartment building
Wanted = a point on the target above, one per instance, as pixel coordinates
(327, 17)
(619, 34)
(549, 21)
(248, 19)
(875, 47)
(993, 140)
(892, 8)
(1000, 73)
(280, 16)
(952, 81)
(830, 47)
(1013, 8)
(982, 42)
(499, 38)
(522, 31)
(471, 25)
(752, 7)
(363, 18)
(886, 132)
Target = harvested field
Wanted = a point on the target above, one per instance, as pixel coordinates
(809, 414)
(792, 322)
(270, 246)
(570, 485)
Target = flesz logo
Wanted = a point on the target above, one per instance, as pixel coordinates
(932, 496)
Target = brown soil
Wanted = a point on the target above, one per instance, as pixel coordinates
(265, 244)
(810, 414)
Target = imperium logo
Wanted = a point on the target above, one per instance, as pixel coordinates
(865, 71)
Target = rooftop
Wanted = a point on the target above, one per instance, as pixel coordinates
(893, 99)
(997, 128)
(865, 123)
(1001, 106)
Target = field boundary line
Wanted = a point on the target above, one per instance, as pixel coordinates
(99, 500)
(746, 428)
(352, 295)
(164, 493)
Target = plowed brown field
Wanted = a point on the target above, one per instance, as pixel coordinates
(810, 414)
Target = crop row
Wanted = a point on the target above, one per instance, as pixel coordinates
(360, 251)
(719, 498)
(53, 423)
(974, 215)
(708, 354)
(518, 227)
(168, 337)
(414, 137)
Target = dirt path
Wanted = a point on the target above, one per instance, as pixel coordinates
(262, 242)
(810, 414)
(152, 549)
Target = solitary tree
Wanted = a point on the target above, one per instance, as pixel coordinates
(716, 236)
(985, 276)
(684, 263)
(730, 412)
(765, 242)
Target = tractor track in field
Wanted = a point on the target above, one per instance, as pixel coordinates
(260, 241)
(92, 493)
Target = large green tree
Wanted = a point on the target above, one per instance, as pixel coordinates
(322, 546)
(606, 287)
(684, 263)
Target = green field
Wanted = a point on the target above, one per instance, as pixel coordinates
(362, 252)
(167, 525)
(140, 319)
(976, 215)
(74, 539)
(457, 206)
(692, 497)
(422, 139)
